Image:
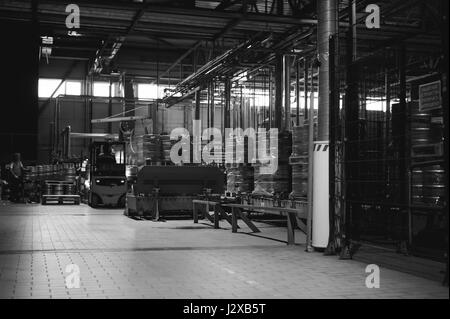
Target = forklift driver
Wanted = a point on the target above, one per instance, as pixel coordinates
(106, 157)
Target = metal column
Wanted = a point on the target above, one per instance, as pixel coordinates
(278, 92)
(326, 27)
(287, 92)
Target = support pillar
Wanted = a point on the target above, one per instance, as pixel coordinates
(326, 27)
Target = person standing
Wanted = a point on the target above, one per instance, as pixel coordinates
(16, 170)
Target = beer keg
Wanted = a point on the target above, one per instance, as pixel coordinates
(428, 187)
(70, 174)
(48, 189)
(58, 189)
(151, 148)
(166, 145)
(70, 189)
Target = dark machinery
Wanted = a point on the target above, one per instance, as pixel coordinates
(107, 179)
(161, 189)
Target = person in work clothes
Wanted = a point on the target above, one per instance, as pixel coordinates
(16, 181)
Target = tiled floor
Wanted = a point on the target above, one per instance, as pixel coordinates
(122, 258)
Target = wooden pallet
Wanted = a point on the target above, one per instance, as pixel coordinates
(60, 199)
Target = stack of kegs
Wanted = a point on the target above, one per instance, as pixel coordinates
(48, 189)
(58, 189)
(268, 182)
(28, 174)
(152, 148)
(70, 173)
(428, 187)
(166, 145)
(299, 162)
(244, 179)
(40, 172)
(70, 189)
(425, 133)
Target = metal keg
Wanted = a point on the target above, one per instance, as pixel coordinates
(428, 185)
(58, 189)
(280, 180)
(151, 148)
(299, 180)
(300, 139)
(33, 172)
(48, 189)
(70, 174)
(27, 173)
(40, 171)
(70, 189)
(166, 145)
(240, 179)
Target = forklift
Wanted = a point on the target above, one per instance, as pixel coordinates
(107, 174)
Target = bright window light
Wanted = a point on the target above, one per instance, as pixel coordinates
(73, 88)
(147, 91)
(101, 89)
(48, 86)
(150, 91)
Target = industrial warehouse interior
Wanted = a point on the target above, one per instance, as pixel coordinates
(224, 150)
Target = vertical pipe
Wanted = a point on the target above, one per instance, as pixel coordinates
(213, 107)
(387, 93)
(197, 105)
(334, 120)
(287, 92)
(444, 79)
(227, 103)
(305, 88)
(310, 164)
(350, 135)
(404, 162)
(242, 111)
(110, 108)
(270, 98)
(255, 106)
(208, 105)
(297, 91)
(326, 27)
(403, 152)
(278, 92)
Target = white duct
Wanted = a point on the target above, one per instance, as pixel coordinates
(320, 224)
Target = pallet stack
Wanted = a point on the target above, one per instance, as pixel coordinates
(60, 192)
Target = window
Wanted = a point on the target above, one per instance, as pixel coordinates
(73, 87)
(149, 91)
(48, 86)
(101, 89)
